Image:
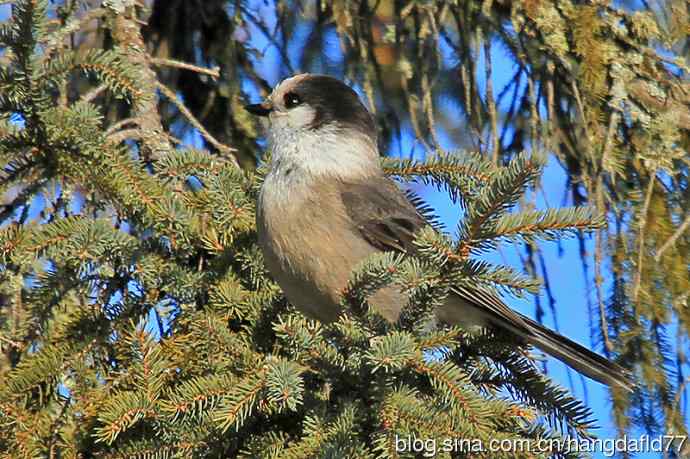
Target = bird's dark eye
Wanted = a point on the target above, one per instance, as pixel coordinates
(291, 100)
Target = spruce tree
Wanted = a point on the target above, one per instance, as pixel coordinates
(137, 318)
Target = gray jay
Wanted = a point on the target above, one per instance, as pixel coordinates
(326, 205)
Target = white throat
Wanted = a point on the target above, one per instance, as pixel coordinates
(325, 153)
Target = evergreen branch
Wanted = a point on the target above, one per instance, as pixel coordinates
(526, 383)
(138, 195)
(197, 396)
(121, 412)
(412, 418)
(391, 352)
(180, 164)
(436, 247)
(146, 449)
(305, 342)
(72, 239)
(45, 366)
(232, 210)
(29, 20)
(241, 400)
(18, 158)
(372, 274)
(405, 409)
(460, 175)
(8, 34)
(452, 385)
(231, 298)
(333, 439)
(284, 384)
(422, 283)
(405, 414)
(110, 67)
(445, 340)
(673, 238)
(501, 193)
(149, 366)
(480, 273)
(549, 224)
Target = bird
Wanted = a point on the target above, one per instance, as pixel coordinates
(325, 205)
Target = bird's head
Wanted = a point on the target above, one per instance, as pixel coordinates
(319, 121)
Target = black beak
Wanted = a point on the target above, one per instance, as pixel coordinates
(262, 109)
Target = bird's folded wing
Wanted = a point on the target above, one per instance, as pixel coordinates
(388, 220)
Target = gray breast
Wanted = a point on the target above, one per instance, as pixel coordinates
(305, 238)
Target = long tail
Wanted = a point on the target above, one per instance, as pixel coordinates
(578, 357)
(498, 314)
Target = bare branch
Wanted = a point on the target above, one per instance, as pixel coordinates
(170, 95)
(674, 237)
(214, 72)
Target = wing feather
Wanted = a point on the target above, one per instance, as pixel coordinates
(387, 219)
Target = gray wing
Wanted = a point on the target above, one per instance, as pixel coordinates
(382, 214)
(387, 220)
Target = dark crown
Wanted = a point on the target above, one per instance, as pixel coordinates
(335, 103)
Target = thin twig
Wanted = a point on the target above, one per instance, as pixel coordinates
(490, 99)
(413, 106)
(15, 344)
(674, 237)
(598, 260)
(170, 94)
(580, 107)
(93, 94)
(214, 72)
(428, 105)
(116, 126)
(533, 116)
(608, 143)
(120, 136)
(679, 393)
(643, 224)
(259, 23)
(426, 84)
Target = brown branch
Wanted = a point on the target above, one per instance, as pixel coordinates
(15, 344)
(426, 169)
(119, 124)
(640, 90)
(643, 224)
(608, 143)
(673, 238)
(598, 280)
(94, 93)
(170, 95)
(120, 136)
(214, 72)
(126, 31)
(493, 117)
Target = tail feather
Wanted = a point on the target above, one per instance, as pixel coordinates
(491, 309)
(578, 357)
